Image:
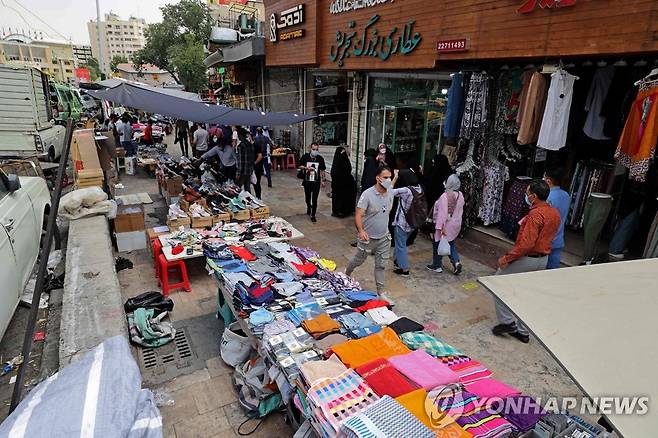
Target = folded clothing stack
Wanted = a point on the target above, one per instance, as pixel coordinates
(358, 326)
(385, 379)
(306, 311)
(216, 250)
(357, 352)
(423, 369)
(320, 326)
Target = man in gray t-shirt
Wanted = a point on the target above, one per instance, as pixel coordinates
(200, 139)
(371, 221)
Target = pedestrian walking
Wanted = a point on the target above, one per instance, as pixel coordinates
(409, 192)
(343, 185)
(561, 200)
(246, 160)
(312, 168)
(262, 145)
(200, 140)
(370, 169)
(447, 216)
(127, 143)
(530, 252)
(437, 175)
(371, 220)
(181, 130)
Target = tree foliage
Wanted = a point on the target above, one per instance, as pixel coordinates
(176, 44)
(94, 69)
(116, 60)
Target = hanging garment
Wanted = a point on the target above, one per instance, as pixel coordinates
(495, 176)
(555, 123)
(596, 214)
(651, 247)
(637, 144)
(598, 91)
(514, 208)
(510, 86)
(525, 84)
(474, 121)
(535, 101)
(455, 108)
(618, 102)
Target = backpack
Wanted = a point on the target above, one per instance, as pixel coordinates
(416, 215)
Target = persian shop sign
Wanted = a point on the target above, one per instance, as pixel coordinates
(290, 17)
(371, 43)
(530, 5)
(340, 6)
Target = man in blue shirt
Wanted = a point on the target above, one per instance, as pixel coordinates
(560, 200)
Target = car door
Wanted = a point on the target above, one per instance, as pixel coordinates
(19, 222)
(10, 290)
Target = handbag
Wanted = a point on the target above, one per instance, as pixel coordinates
(444, 246)
(301, 174)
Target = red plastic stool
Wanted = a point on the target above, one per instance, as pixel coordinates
(156, 246)
(291, 162)
(166, 266)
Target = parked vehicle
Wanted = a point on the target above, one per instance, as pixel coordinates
(27, 126)
(24, 207)
(65, 102)
(88, 102)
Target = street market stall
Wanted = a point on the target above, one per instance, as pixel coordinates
(598, 327)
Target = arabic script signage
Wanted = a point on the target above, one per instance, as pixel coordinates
(340, 6)
(372, 43)
(290, 17)
(530, 5)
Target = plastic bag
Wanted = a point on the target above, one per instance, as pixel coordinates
(235, 345)
(444, 246)
(86, 202)
(253, 178)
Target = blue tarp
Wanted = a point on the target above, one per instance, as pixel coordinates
(161, 101)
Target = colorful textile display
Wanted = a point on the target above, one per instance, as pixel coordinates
(336, 399)
(423, 369)
(404, 325)
(417, 340)
(323, 369)
(381, 345)
(320, 326)
(473, 416)
(491, 388)
(521, 411)
(384, 378)
(385, 418)
(470, 371)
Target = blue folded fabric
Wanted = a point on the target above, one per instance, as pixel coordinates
(360, 295)
(306, 311)
(260, 317)
(231, 265)
(284, 276)
(357, 325)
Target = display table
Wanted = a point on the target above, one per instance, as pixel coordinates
(599, 322)
(165, 240)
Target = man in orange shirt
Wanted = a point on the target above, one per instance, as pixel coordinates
(530, 252)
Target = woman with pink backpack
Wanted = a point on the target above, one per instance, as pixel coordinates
(447, 214)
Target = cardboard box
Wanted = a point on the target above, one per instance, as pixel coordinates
(241, 215)
(223, 217)
(129, 218)
(174, 186)
(260, 212)
(152, 233)
(131, 241)
(185, 206)
(173, 224)
(202, 222)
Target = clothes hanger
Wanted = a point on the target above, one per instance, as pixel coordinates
(600, 195)
(648, 78)
(620, 63)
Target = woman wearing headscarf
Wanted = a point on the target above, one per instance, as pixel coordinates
(407, 181)
(437, 175)
(370, 166)
(385, 157)
(343, 186)
(447, 214)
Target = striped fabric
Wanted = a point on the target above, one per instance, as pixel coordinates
(452, 360)
(470, 371)
(467, 410)
(336, 399)
(434, 347)
(385, 418)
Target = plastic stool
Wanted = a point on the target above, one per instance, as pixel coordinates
(291, 162)
(156, 246)
(166, 266)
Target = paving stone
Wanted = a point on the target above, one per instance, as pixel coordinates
(217, 367)
(215, 393)
(183, 408)
(212, 423)
(187, 380)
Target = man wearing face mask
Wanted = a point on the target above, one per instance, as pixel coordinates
(371, 222)
(530, 252)
(312, 166)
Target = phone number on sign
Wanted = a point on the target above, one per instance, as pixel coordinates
(452, 45)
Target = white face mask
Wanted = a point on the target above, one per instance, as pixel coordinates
(215, 139)
(386, 183)
(382, 150)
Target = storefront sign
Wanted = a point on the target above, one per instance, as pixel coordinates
(340, 6)
(291, 35)
(447, 46)
(373, 43)
(290, 17)
(530, 5)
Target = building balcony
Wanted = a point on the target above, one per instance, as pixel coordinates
(241, 51)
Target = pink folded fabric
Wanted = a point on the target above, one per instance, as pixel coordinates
(491, 388)
(426, 371)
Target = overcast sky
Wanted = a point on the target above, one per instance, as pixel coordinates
(69, 18)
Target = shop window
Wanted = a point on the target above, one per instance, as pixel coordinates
(330, 98)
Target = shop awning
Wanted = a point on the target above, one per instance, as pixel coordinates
(599, 322)
(244, 50)
(178, 104)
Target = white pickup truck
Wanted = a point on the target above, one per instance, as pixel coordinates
(27, 125)
(24, 207)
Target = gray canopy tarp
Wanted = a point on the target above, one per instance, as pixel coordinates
(163, 101)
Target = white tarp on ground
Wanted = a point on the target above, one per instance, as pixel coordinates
(100, 395)
(162, 101)
(600, 323)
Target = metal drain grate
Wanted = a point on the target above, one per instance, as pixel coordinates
(168, 361)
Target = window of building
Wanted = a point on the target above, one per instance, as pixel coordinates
(332, 99)
(13, 58)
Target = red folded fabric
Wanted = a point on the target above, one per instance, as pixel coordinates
(385, 379)
(306, 268)
(372, 304)
(242, 252)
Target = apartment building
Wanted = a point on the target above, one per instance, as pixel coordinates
(53, 57)
(81, 54)
(117, 37)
